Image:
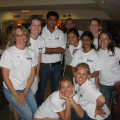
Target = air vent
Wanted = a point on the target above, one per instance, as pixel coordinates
(66, 15)
(16, 16)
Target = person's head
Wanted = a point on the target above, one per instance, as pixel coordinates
(9, 30)
(94, 25)
(87, 40)
(35, 25)
(51, 19)
(69, 23)
(66, 86)
(82, 73)
(19, 35)
(73, 36)
(106, 41)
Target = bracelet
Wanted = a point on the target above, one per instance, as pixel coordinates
(26, 92)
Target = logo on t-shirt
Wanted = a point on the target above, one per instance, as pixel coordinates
(28, 58)
(111, 55)
(80, 95)
(89, 60)
(56, 38)
(40, 48)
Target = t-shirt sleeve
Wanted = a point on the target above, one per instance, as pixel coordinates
(56, 104)
(96, 63)
(92, 93)
(43, 44)
(5, 60)
(34, 59)
(117, 52)
(62, 42)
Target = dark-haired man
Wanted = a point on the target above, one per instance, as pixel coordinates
(51, 60)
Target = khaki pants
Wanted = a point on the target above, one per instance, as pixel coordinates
(45, 119)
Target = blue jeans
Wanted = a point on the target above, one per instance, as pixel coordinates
(27, 112)
(46, 71)
(107, 92)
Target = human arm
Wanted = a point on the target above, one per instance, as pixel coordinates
(38, 69)
(67, 45)
(100, 102)
(94, 74)
(65, 114)
(19, 99)
(97, 82)
(54, 50)
(78, 109)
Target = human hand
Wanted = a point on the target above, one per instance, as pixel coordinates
(97, 85)
(62, 97)
(100, 112)
(38, 78)
(20, 99)
(74, 51)
(71, 96)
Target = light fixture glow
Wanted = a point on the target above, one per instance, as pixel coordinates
(25, 10)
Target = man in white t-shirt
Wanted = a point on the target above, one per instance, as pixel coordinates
(51, 59)
(69, 23)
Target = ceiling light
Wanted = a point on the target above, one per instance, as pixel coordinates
(25, 10)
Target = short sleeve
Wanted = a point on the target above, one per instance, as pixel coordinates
(5, 59)
(117, 52)
(34, 59)
(56, 103)
(62, 42)
(92, 93)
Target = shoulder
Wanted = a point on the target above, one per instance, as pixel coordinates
(54, 97)
(117, 49)
(31, 51)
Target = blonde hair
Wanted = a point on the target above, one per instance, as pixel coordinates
(83, 65)
(12, 36)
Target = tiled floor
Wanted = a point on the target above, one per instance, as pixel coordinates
(6, 113)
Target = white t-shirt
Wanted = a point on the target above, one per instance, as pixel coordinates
(52, 40)
(51, 106)
(95, 42)
(109, 63)
(68, 56)
(38, 46)
(91, 58)
(19, 62)
(88, 94)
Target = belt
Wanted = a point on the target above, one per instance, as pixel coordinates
(52, 64)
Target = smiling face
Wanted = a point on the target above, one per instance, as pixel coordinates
(67, 88)
(81, 75)
(51, 22)
(69, 24)
(94, 27)
(104, 41)
(35, 28)
(73, 39)
(86, 42)
(20, 38)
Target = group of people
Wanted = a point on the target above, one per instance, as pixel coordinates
(34, 55)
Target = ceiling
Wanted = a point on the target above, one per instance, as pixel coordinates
(111, 7)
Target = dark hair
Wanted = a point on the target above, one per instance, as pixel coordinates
(74, 31)
(64, 78)
(12, 37)
(111, 45)
(93, 20)
(69, 19)
(34, 17)
(52, 13)
(90, 35)
(9, 30)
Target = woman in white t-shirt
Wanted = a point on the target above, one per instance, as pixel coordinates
(58, 104)
(18, 70)
(94, 26)
(75, 44)
(37, 44)
(87, 55)
(109, 62)
(90, 98)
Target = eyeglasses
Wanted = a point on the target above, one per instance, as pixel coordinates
(18, 35)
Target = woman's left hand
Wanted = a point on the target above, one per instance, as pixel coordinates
(100, 112)
(23, 94)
